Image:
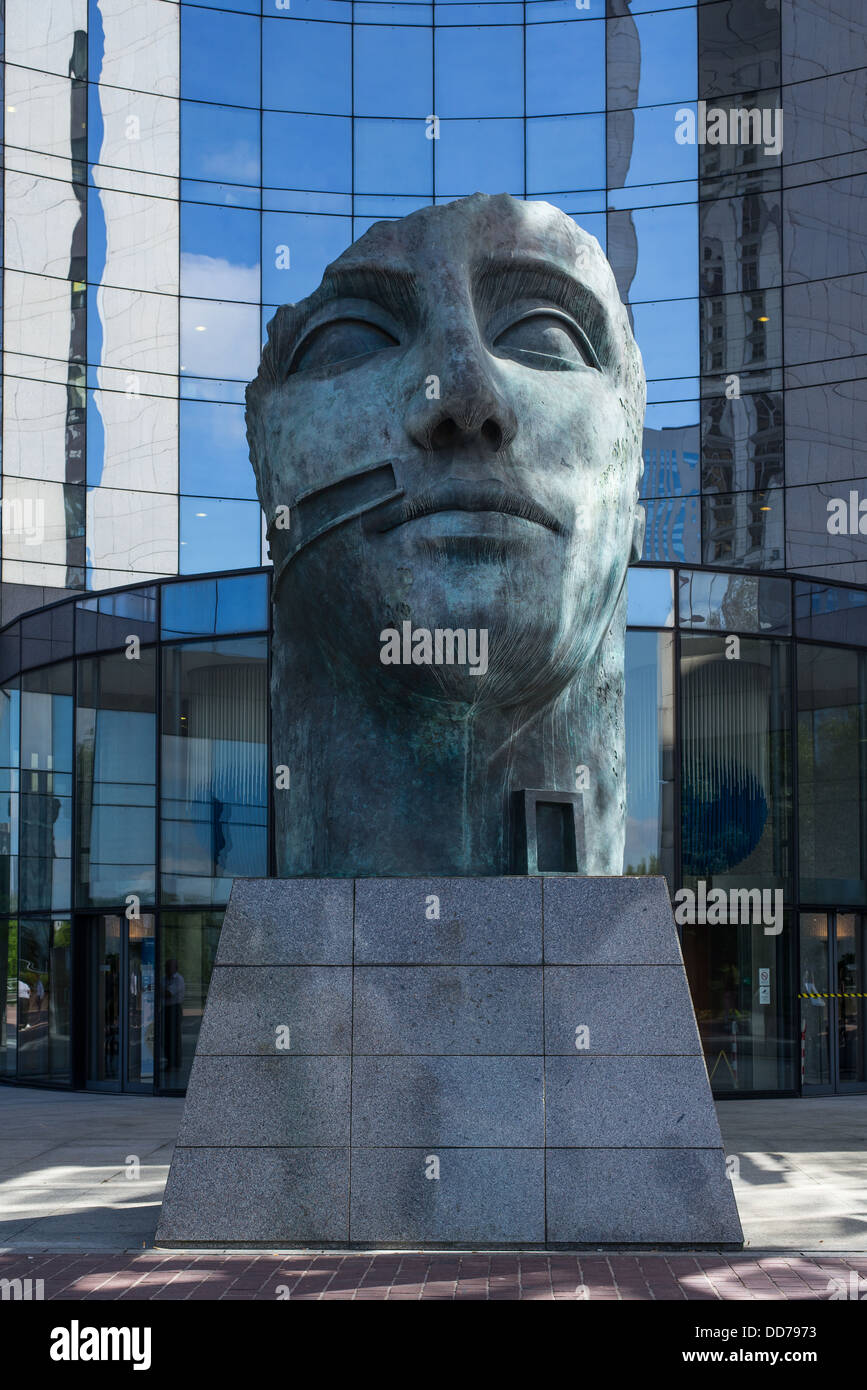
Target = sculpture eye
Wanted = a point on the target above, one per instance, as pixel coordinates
(339, 341)
(548, 342)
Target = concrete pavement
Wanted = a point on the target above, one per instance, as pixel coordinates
(800, 1183)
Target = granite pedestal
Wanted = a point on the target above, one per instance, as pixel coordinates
(454, 1063)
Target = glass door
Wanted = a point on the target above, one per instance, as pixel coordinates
(833, 1004)
(851, 988)
(120, 1013)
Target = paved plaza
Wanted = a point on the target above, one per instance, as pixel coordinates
(82, 1175)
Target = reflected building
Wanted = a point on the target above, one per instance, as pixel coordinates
(173, 172)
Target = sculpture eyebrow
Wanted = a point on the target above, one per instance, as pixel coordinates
(393, 289)
(501, 282)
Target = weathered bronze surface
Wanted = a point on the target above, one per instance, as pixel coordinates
(447, 440)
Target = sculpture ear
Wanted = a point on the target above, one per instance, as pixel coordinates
(638, 524)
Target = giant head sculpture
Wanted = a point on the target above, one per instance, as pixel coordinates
(446, 437)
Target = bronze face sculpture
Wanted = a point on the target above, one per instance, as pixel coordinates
(447, 444)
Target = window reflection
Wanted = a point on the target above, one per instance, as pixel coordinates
(650, 752)
(213, 451)
(188, 948)
(406, 55)
(46, 789)
(313, 152)
(219, 56)
(565, 68)
(214, 768)
(479, 71)
(295, 247)
(393, 157)
(832, 736)
(219, 252)
(115, 753)
(219, 144)
(218, 534)
(44, 977)
(203, 607)
(735, 763)
(472, 159)
(306, 66)
(565, 152)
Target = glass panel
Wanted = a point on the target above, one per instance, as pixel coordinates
(141, 1003)
(44, 967)
(667, 333)
(116, 779)
(742, 442)
(10, 708)
(47, 636)
(832, 774)
(104, 965)
(11, 988)
(671, 452)
(668, 56)
(219, 56)
(565, 68)
(851, 1002)
(306, 66)
(46, 789)
(650, 754)
(109, 620)
(405, 55)
(313, 152)
(393, 157)
(734, 602)
(10, 651)
(650, 598)
(741, 985)
(216, 605)
(744, 528)
(672, 531)
(735, 763)
(296, 247)
(214, 768)
(480, 71)
(214, 457)
(565, 152)
(219, 252)
(220, 339)
(816, 1007)
(188, 945)
(219, 144)
(831, 614)
(480, 156)
(218, 534)
(657, 276)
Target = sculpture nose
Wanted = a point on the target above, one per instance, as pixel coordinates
(463, 406)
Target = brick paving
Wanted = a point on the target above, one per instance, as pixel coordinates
(406, 1277)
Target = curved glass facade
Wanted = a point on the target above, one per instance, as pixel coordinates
(175, 170)
(134, 742)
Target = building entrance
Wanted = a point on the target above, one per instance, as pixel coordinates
(121, 1015)
(833, 1006)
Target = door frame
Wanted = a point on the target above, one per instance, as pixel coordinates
(834, 1086)
(86, 923)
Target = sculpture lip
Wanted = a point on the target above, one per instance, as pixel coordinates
(456, 495)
